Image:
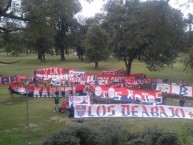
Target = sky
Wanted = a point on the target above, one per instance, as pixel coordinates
(89, 10)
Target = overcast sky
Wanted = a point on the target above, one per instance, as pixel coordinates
(89, 10)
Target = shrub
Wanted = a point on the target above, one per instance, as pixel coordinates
(63, 137)
(168, 139)
(111, 134)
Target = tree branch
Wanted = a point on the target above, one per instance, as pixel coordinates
(187, 64)
(8, 6)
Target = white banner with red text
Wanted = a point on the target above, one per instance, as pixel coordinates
(176, 89)
(132, 110)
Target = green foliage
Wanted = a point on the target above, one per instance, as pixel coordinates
(96, 44)
(168, 139)
(85, 134)
(63, 137)
(149, 31)
(112, 134)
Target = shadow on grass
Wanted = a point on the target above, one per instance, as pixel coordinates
(11, 101)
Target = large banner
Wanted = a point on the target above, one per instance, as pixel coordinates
(73, 100)
(52, 71)
(115, 72)
(129, 95)
(132, 110)
(176, 89)
(48, 91)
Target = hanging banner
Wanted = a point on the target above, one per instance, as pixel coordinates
(129, 95)
(115, 72)
(132, 110)
(176, 89)
(52, 71)
(73, 100)
(48, 91)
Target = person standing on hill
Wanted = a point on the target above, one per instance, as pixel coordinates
(56, 101)
(182, 101)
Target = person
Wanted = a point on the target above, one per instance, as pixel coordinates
(35, 80)
(71, 111)
(56, 101)
(57, 91)
(182, 101)
(108, 101)
(64, 105)
(140, 87)
(84, 102)
(164, 94)
(10, 91)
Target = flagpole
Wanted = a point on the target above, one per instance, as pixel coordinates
(26, 82)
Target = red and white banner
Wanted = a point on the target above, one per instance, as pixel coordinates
(115, 72)
(129, 95)
(48, 91)
(176, 89)
(73, 100)
(52, 71)
(132, 110)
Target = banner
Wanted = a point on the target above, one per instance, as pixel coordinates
(48, 91)
(52, 71)
(115, 72)
(132, 110)
(73, 100)
(129, 95)
(176, 89)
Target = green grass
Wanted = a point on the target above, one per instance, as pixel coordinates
(43, 120)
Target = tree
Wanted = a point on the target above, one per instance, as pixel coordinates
(39, 32)
(147, 31)
(84, 24)
(65, 23)
(96, 44)
(12, 11)
(188, 59)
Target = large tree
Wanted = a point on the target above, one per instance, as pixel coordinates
(39, 32)
(65, 23)
(148, 31)
(189, 51)
(96, 44)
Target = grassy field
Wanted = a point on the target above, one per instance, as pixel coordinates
(43, 120)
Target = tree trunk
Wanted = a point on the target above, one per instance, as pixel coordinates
(43, 56)
(81, 58)
(39, 55)
(128, 65)
(96, 64)
(62, 54)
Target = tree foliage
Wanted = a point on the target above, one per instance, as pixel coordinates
(148, 31)
(65, 24)
(189, 34)
(111, 133)
(96, 44)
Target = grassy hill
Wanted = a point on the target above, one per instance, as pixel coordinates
(43, 120)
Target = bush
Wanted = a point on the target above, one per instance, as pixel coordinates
(168, 139)
(63, 137)
(111, 134)
(137, 141)
(71, 136)
(84, 133)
